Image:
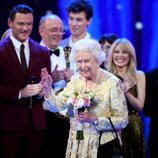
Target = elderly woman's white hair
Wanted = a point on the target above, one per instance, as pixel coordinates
(89, 45)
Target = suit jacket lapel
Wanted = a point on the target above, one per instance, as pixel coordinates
(11, 50)
(33, 56)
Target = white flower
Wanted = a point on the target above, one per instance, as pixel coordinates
(70, 100)
(80, 99)
(79, 103)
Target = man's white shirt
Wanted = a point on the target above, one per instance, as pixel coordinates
(71, 43)
(61, 62)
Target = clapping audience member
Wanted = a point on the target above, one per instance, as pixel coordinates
(93, 94)
(22, 119)
(106, 41)
(51, 31)
(122, 63)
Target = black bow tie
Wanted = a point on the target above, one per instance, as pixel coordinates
(56, 52)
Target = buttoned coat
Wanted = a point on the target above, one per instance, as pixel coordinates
(14, 111)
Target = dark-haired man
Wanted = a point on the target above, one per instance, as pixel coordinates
(106, 41)
(80, 13)
(22, 120)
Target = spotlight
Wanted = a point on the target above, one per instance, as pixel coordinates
(118, 6)
(138, 25)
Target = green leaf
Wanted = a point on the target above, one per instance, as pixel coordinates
(79, 135)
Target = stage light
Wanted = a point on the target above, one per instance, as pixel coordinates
(139, 25)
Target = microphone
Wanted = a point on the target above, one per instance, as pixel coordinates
(32, 81)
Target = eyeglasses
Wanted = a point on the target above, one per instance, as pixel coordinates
(56, 31)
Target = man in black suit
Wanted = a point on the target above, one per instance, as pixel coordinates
(151, 110)
(22, 119)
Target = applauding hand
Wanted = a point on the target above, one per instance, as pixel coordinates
(128, 83)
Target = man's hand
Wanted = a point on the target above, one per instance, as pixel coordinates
(57, 75)
(68, 73)
(31, 90)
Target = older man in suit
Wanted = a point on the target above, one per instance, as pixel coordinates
(51, 31)
(22, 120)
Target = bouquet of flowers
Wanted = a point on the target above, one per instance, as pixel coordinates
(80, 102)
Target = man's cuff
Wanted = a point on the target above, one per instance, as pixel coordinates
(19, 97)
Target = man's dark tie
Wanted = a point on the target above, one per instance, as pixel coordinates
(56, 52)
(22, 57)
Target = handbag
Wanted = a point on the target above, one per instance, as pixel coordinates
(111, 149)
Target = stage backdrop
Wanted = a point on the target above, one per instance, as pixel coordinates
(136, 20)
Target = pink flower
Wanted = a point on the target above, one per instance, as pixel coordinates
(86, 102)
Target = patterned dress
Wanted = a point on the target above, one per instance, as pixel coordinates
(111, 103)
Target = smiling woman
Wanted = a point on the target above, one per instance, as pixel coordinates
(87, 60)
(107, 100)
(122, 63)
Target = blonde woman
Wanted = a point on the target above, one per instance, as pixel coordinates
(122, 63)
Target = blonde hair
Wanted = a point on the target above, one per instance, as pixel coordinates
(126, 46)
